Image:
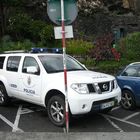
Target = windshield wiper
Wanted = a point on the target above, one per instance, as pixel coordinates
(75, 69)
(55, 71)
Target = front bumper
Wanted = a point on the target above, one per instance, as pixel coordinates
(82, 104)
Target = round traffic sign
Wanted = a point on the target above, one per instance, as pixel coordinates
(54, 11)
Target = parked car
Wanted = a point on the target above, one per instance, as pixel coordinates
(129, 81)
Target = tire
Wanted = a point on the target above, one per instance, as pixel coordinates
(56, 110)
(128, 100)
(4, 99)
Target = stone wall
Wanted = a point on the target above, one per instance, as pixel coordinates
(101, 24)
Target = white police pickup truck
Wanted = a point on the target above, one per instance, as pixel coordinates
(38, 78)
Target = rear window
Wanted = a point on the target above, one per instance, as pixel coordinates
(13, 63)
(2, 62)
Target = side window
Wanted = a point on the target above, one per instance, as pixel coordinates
(30, 62)
(13, 63)
(1, 62)
(131, 71)
(138, 72)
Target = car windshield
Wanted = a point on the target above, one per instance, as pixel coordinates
(54, 63)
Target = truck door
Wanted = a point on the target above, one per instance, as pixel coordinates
(30, 80)
(12, 75)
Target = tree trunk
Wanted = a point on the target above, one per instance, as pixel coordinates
(126, 4)
(132, 4)
(2, 20)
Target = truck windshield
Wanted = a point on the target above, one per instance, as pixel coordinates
(54, 63)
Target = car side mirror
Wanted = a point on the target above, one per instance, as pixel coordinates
(125, 74)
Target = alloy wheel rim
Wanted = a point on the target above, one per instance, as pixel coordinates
(126, 100)
(57, 111)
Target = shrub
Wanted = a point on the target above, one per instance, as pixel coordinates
(47, 34)
(79, 47)
(89, 63)
(8, 46)
(111, 66)
(6, 38)
(102, 50)
(129, 46)
(27, 45)
(47, 38)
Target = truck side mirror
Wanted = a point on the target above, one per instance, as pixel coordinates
(32, 70)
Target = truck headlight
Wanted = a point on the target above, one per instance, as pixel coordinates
(80, 88)
(115, 84)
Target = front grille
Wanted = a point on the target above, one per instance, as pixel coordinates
(104, 87)
(103, 101)
(91, 88)
(101, 87)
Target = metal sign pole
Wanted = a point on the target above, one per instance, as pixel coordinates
(65, 68)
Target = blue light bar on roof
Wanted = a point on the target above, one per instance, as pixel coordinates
(46, 50)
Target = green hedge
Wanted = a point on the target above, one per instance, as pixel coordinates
(110, 67)
(78, 47)
(10, 45)
(130, 46)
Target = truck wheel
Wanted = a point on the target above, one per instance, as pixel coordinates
(4, 99)
(56, 110)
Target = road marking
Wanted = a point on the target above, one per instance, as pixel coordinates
(112, 123)
(6, 120)
(64, 129)
(130, 116)
(121, 120)
(9, 123)
(26, 111)
(15, 126)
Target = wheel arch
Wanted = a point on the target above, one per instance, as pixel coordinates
(130, 90)
(52, 93)
(1, 83)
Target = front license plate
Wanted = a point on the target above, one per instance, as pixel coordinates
(107, 105)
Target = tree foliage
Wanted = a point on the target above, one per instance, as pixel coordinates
(89, 6)
(19, 25)
(10, 8)
(36, 12)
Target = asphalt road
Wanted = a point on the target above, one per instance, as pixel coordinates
(24, 117)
